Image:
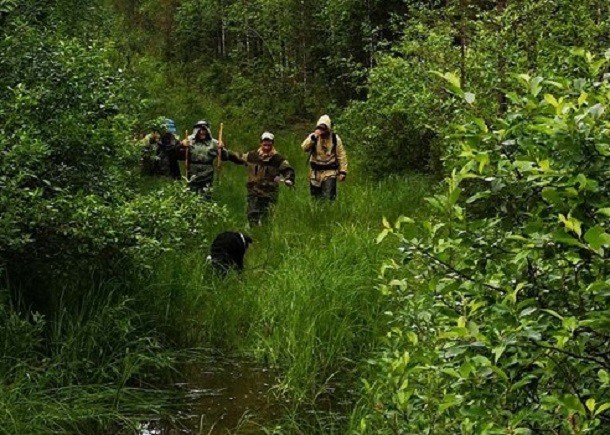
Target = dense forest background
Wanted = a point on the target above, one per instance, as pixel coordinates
(490, 317)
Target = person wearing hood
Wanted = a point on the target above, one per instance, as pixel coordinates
(159, 155)
(266, 169)
(203, 149)
(167, 151)
(327, 160)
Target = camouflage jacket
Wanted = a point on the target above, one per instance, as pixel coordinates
(264, 172)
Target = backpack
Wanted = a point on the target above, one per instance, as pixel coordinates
(333, 150)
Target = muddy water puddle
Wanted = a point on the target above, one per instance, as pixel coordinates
(220, 395)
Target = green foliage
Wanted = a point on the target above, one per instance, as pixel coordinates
(407, 112)
(501, 301)
(84, 376)
(272, 60)
(67, 161)
(76, 345)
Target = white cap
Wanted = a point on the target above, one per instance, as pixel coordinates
(267, 136)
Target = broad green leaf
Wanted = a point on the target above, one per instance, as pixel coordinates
(382, 235)
(480, 122)
(596, 237)
(597, 110)
(403, 220)
(385, 223)
(552, 313)
(551, 100)
(562, 237)
(452, 372)
(477, 196)
(449, 401)
(469, 97)
(571, 224)
(453, 79)
(412, 336)
(498, 351)
(605, 211)
(454, 195)
(598, 286)
(572, 403)
(570, 323)
(552, 195)
(536, 86)
(583, 97)
(602, 408)
(483, 159)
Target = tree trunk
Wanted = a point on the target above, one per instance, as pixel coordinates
(463, 42)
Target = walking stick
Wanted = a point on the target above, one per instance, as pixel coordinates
(219, 161)
(186, 156)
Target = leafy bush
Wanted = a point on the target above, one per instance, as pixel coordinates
(406, 113)
(74, 343)
(68, 190)
(501, 318)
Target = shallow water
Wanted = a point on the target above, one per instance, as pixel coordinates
(220, 395)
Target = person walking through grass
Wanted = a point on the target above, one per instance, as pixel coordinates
(160, 150)
(266, 169)
(327, 160)
(202, 151)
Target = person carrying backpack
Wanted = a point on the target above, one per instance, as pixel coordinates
(327, 160)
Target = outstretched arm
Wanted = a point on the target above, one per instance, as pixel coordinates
(233, 157)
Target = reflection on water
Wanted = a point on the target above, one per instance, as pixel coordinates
(219, 395)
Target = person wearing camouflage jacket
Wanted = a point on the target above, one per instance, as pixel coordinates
(266, 168)
(203, 149)
(327, 160)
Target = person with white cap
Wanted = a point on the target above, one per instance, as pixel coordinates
(327, 160)
(266, 169)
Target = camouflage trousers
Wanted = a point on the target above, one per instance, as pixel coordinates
(259, 208)
(201, 181)
(326, 190)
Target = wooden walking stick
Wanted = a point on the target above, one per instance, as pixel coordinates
(219, 161)
(186, 156)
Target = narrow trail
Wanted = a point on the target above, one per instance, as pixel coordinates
(306, 308)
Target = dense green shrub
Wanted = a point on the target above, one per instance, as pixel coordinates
(67, 164)
(500, 321)
(77, 227)
(406, 112)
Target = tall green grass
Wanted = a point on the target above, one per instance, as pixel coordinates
(307, 301)
(82, 370)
